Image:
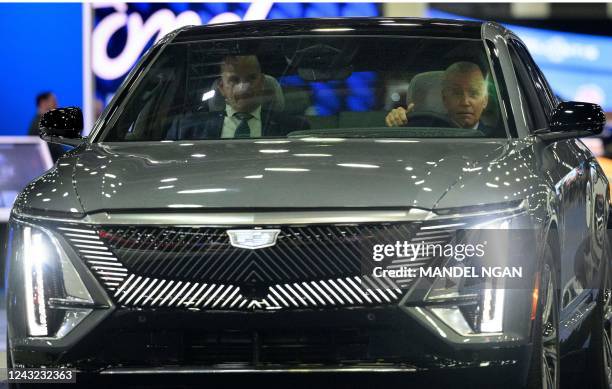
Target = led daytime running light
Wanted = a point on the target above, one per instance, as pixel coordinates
(34, 256)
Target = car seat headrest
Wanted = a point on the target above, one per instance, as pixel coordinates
(425, 91)
(273, 98)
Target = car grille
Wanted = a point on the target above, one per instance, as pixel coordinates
(206, 255)
(198, 268)
(242, 348)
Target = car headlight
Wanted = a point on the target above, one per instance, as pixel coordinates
(56, 298)
(481, 313)
(470, 295)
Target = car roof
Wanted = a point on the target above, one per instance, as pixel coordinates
(349, 26)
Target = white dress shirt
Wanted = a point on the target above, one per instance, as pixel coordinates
(231, 123)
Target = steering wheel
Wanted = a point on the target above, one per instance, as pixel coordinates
(429, 119)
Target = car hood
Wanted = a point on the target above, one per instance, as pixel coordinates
(319, 173)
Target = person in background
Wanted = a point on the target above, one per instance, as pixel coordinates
(45, 102)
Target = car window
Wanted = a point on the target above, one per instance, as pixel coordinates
(547, 98)
(312, 86)
(534, 112)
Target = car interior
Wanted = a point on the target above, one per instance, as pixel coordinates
(332, 85)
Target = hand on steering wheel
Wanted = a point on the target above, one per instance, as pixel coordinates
(400, 117)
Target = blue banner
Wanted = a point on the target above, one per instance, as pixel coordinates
(577, 66)
(123, 31)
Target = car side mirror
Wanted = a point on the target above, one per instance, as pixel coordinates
(62, 125)
(573, 116)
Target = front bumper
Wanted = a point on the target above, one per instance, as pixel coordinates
(484, 377)
(138, 345)
(119, 341)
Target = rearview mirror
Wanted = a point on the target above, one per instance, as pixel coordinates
(62, 125)
(573, 116)
(324, 62)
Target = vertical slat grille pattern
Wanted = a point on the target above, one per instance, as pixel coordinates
(152, 292)
(197, 268)
(94, 252)
(206, 255)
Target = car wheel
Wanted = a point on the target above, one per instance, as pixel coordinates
(544, 372)
(600, 350)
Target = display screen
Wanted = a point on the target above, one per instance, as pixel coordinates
(122, 32)
(21, 160)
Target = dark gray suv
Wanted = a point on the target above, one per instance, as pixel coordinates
(261, 197)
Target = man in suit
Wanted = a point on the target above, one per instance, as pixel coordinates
(245, 115)
(465, 97)
(45, 102)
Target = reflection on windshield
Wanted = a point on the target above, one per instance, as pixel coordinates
(300, 87)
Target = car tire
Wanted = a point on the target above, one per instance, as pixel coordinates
(544, 370)
(599, 366)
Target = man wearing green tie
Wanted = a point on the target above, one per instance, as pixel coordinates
(241, 85)
(245, 112)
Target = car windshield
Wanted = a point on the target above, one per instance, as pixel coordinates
(304, 86)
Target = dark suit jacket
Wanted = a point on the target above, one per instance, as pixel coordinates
(425, 120)
(488, 131)
(208, 125)
(34, 129)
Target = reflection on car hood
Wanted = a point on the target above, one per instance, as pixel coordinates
(287, 174)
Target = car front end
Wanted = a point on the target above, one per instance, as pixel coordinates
(188, 241)
(135, 292)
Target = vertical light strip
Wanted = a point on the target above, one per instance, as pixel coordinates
(493, 311)
(32, 264)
